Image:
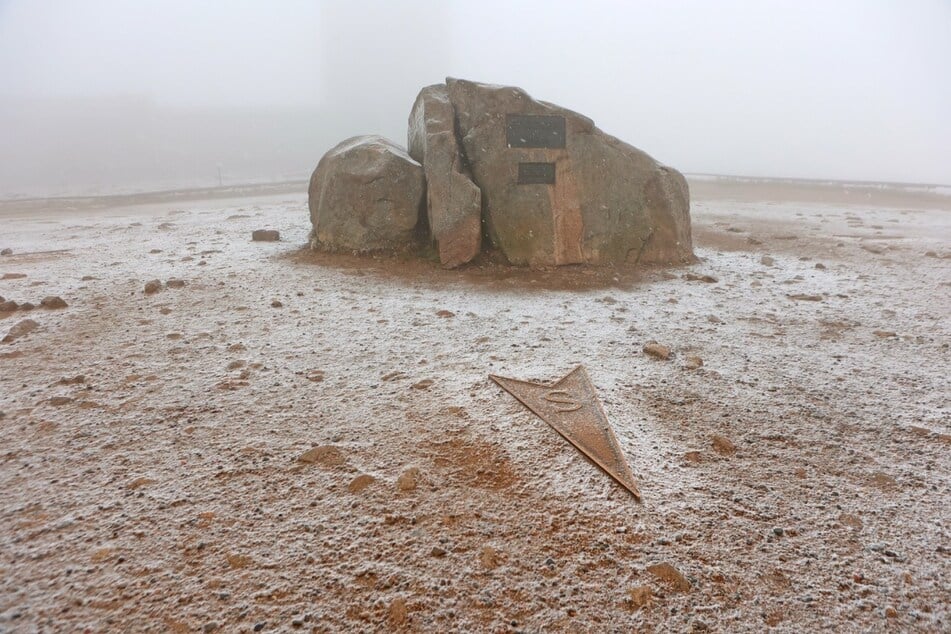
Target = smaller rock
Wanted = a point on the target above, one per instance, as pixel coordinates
(767, 261)
(6, 252)
(489, 557)
(360, 483)
(445, 314)
(152, 286)
(12, 276)
(8, 306)
(175, 283)
(53, 302)
(723, 445)
(326, 455)
(657, 350)
(884, 334)
(820, 266)
(804, 297)
(670, 575)
(277, 304)
(397, 612)
(59, 401)
(928, 254)
(693, 277)
(27, 306)
(778, 531)
(408, 479)
(210, 627)
(265, 235)
(640, 597)
(425, 384)
(20, 329)
(891, 613)
(693, 363)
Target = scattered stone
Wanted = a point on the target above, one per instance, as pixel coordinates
(239, 561)
(20, 329)
(265, 235)
(53, 302)
(445, 314)
(640, 597)
(425, 384)
(152, 286)
(12, 276)
(438, 551)
(175, 283)
(820, 266)
(693, 277)
(6, 252)
(778, 531)
(670, 575)
(326, 455)
(852, 521)
(365, 195)
(408, 479)
(656, 350)
(694, 457)
(139, 483)
(360, 483)
(211, 626)
(397, 612)
(59, 401)
(693, 363)
(453, 201)
(884, 334)
(767, 261)
(891, 613)
(805, 297)
(8, 306)
(489, 558)
(277, 304)
(723, 445)
(27, 306)
(931, 254)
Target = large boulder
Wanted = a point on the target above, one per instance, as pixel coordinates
(557, 190)
(366, 195)
(453, 201)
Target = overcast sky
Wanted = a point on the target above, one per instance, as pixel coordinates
(831, 89)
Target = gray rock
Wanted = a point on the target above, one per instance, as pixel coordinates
(6, 252)
(20, 329)
(453, 201)
(584, 197)
(265, 235)
(366, 195)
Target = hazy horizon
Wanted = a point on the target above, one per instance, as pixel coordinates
(106, 95)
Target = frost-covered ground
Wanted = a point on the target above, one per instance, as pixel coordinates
(150, 444)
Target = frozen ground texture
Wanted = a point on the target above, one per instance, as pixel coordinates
(799, 480)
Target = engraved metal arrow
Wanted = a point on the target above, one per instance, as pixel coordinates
(572, 408)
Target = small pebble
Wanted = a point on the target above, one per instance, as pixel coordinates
(152, 286)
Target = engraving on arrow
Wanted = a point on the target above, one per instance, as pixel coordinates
(572, 408)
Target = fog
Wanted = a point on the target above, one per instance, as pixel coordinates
(109, 95)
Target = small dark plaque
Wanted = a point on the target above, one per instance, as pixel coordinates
(536, 173)
(531, 130)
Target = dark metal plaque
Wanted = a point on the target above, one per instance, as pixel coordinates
(536, 173)
(572, 408)
(535, 130)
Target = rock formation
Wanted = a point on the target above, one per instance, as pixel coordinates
(541, 183)
(453, 201)
(366, 195)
